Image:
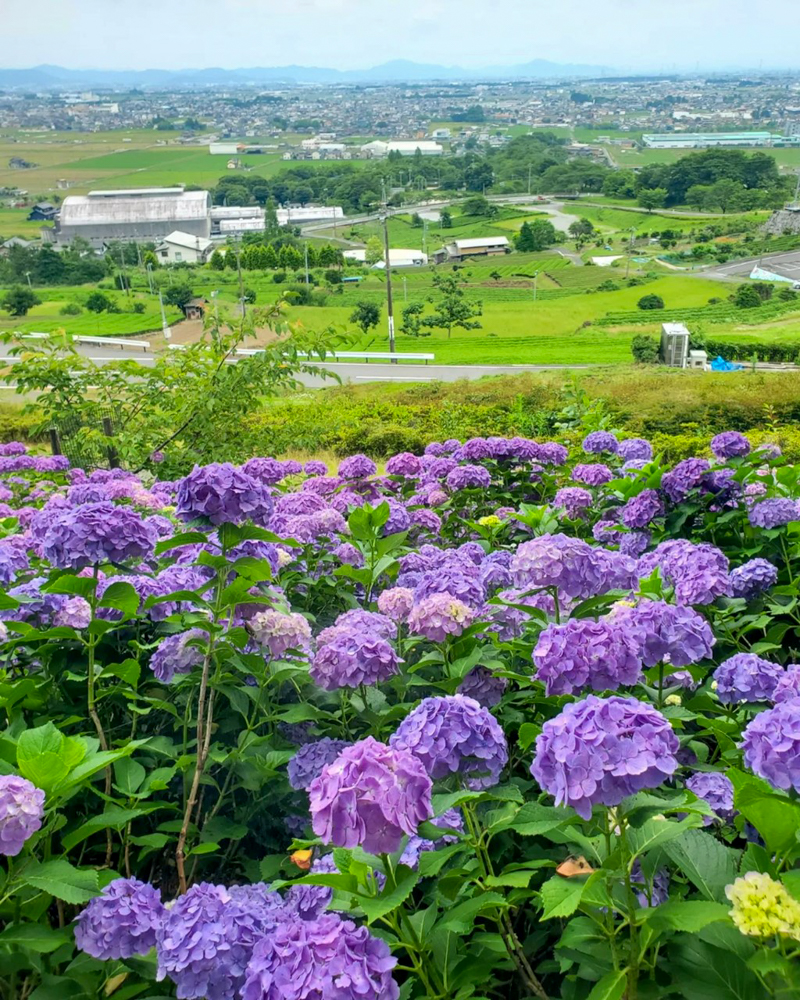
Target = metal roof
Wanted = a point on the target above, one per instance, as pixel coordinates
(158, 205)
(179, 239)
(482, 241)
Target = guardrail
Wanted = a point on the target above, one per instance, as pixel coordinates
(333, 358)
(103, 341)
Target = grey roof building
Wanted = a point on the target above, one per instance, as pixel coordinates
(138, 214)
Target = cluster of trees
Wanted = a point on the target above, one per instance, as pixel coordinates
(451, 309)
(544, 160)
(269, 257)
(537, 235)
(77, 265)
(722, 180)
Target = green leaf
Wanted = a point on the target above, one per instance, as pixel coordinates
(534, 819)
(82, 586)
(34, 937)
(527, 734)
(128, 776)
(122, 596)
(707, 863)
(113, 818)
(390, 899)
(702, 972)
(657, 832)
(45, 739)
(686, 915)
(432, 862)
(187, 538)
(610, 987)
(128, 670)
(61, 879)
(460, 918)
(776, 817)
(561, 896)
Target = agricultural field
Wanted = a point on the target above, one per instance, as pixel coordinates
(46, 318)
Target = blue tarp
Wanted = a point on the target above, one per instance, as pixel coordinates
(719, 364)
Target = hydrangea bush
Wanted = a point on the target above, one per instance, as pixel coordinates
(508, 718)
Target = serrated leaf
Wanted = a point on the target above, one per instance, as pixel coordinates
(121, 596)
(534, 819)
(128, 776)
(707, 863)
(113, 818)
(686, 915)
(61, 879)
(561, 896)
(460, 918)
(34, 937)
(378, 906)
(610, 987)
(432, 862)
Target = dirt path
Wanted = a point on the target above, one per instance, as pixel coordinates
(189, 331)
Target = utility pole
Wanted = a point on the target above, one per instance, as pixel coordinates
(28, 276)
(405, 289)
(388, 269)
(241, 283)
(305, 249)
(164, 324)
(630, 251)
(150, 276)
(530, 168)
(535, 284)
(125, 282)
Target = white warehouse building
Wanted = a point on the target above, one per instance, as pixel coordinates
(309, 213)
(133, 215)
(405, 147)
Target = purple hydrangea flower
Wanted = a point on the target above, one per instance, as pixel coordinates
(427, 520)
(280, 632)
(788, 686)
(358, 620)
(207, 938)
(353, 658)
(615, 570)
(482, 685)
(495, 570)
(268, 471)
(771, 744)
(552, 453)
(97, 533)
(178, 654)
(717, 791)
(121, 922)
(574, 499)
(753, 578)
(558, 561)
(399, 518)
(455, 577)
(310, 901)
(311, 758)
(396, 603)
(439, 615)
(454, 735)
(292, 504)
(75, 612)
(475, 450)
(745, 677)
(635, 450)
(640, 510)
(405, 464)
(315, 468)
(600, 441)
(607, 533)
(603, 655)
(668, 633)
(349, 555)
(686, 476)
(291, 467)
(595, 474)
(699, 573)
(21, 811)
(14, 559)
(773, 513)
(600, 750)
(730, 444)
(370, 796)
(357, 467)
(220, 493)
(468, 477)
(324, 958)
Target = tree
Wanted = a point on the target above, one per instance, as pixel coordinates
(495, 275)
(270, 257)
(644, 349)
(374, 251)
(179, 295)
(536, 235)
(411, 325)
(19, 300)
(747, 297)
(479, 175)
(525, 238)
(98, 302)
(697, 196)
(416, 221)
(446, 219)
(620, 184)
(453, 308)
(581, 228)
(479, 206)
(725, 194)
(651, 198)
(366, 315)
(651, 301)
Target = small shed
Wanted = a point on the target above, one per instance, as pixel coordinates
(195, 308)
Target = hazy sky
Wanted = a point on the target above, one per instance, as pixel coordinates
(655, 35)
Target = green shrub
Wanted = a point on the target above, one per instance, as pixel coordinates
(70, 309)
(644, 349)
(651, 301)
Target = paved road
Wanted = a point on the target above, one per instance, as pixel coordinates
(355, 372)
(787, 264)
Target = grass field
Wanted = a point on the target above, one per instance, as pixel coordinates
(45, 318)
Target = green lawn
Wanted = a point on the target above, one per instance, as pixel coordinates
(14, 222)
(45, 318)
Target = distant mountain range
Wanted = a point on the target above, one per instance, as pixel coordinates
(398, 71)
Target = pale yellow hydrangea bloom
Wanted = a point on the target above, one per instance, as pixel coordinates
(490, 521)
(763, 908)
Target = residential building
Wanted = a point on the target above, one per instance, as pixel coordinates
(403, 258)
(183, 248)
(42, 211)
